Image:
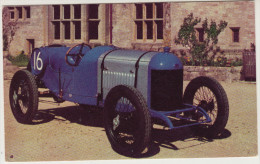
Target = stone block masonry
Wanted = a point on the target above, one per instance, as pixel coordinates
(227, 74)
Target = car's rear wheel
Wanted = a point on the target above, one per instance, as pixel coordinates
(127, 120)
(208, 94)
(23, 96)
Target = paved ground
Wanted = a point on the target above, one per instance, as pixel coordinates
(63, 133)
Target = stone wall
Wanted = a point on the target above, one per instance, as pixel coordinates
(236, 13)
(123, 25)
(32, 28)
(227, 74)
(229, 54)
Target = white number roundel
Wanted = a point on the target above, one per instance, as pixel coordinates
(37, 61)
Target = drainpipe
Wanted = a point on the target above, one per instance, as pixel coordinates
(111, 23)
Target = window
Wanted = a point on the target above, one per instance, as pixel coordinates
(93, 21)
(66, 10)
(21, 12)
(66, 22)
(235, 34)
(56, 30)
(139, 11)
(27, 12)
(77, 27)
(77, 11)
(149, 21)
(200, 34)
(11, 10)
(67, 29)
(139, 29)
(56, 12)
(30, 43)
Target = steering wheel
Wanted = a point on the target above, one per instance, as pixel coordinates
(73, 55)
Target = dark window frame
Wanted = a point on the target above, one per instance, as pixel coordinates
(19, 12)
(200, 34)
(56, 11)
(235, 34)
(66, 12)
(145, 14)
(28, 12)
(77, 11)
(93, 22)
(66, 22)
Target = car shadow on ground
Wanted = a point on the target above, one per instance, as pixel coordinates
(160, 138)
(166, 138)
(74, 114)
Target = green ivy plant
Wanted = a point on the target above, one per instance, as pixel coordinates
(187, 37)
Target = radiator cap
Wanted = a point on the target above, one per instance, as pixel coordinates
(166, 49)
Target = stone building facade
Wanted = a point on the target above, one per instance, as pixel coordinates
(138, 26)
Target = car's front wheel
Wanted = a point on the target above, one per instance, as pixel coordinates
(208, 94)
(127, 120)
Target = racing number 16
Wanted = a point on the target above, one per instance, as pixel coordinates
(37, 63)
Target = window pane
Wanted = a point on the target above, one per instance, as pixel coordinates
(139, 11)
(56, 9)
(149, 25)
(77, 30)
(201, 34)
(93, 12)
(28, 12)
(20, 12)
(56, 30)
(139, 29)
(93, 29)
(159, 10)
(66, 11)
(12, 15)
(159, 29)
(67, 30)
(77, 11)
(30, 43)
(235, 34)
(149, 10)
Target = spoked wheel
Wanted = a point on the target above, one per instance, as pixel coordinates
(127, 120)
(23, 96)
(208, 94)
(75, 54)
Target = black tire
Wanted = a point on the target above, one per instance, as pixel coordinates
(207, 93)
(128, 131)
(23, 96)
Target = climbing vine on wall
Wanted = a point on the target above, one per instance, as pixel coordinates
(188, 37)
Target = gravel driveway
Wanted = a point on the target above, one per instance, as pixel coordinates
(66, 133)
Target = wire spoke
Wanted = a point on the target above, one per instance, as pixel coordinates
(124, 124)
(205, 98)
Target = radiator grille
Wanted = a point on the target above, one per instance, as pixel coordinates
(166, 89)
(112, 79)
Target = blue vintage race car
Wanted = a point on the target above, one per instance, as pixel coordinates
(136, 89)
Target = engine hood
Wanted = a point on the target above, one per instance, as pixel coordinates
(132, 67)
